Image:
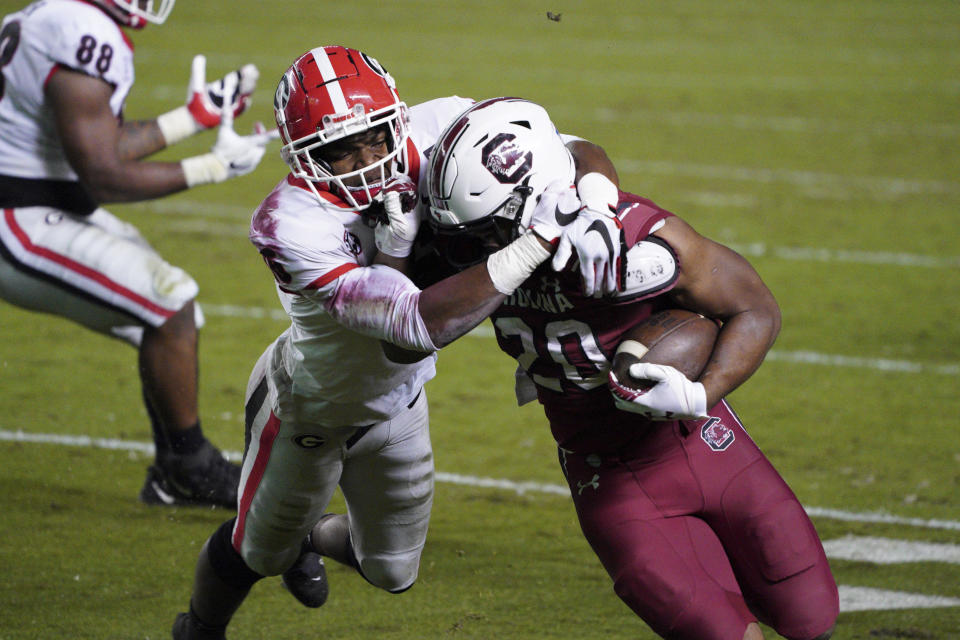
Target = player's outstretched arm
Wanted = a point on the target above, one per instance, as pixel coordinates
(91, 135)
(99, 149)
(204, 108)
(719, 283)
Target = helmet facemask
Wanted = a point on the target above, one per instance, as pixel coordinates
(486, 173)
(303, 156)
(468, 243)
(137, 13)
(333, 94)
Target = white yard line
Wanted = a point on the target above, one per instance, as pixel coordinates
(867, 599)
(852, 598)
(798, 357)
(825, 183)
(232, 221)
(890, 551)
(456, 478)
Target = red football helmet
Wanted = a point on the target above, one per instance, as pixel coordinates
(137, 13)
(330, 93)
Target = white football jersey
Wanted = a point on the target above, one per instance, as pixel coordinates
(322, 371)
(45, 36)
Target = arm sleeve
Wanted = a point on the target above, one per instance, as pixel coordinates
(639, 217)
(380, 302)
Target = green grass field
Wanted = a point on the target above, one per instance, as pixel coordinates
(817, 138)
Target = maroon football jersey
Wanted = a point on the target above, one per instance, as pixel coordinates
(566, 342)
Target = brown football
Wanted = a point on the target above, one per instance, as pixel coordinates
(676, 337)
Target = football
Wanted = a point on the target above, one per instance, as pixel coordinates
(676, 337)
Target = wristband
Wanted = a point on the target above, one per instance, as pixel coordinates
(203, 170)
(633, 348)
(510, 266)
(177, 125)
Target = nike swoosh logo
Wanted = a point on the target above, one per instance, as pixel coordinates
(563, 219)
(600, 228)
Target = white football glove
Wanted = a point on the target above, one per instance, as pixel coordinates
(597, 237)
(673, 397)
(556, 208)
(598, 241)
(395, 235)
(207, 102)
(232, 155)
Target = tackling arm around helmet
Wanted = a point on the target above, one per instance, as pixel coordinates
(382, 302)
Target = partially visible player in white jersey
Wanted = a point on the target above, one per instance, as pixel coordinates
(337, 399)
(66, 67)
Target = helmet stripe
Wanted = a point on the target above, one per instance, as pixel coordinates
(332, 85)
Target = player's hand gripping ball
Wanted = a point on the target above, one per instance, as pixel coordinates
(682, 342)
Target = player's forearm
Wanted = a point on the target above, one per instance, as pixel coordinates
(589, 158)
(132, 181)
(741, 346)
(455, 305)
(140, 139)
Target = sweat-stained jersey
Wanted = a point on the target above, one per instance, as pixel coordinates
(565, 342)
(34, 43)
(322, 371)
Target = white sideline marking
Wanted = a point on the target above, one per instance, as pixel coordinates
(814, 254)
(851, 598)
(800, 357)
(241, 215)
(455, 478)
(889, 551)
(823, 184)
(867, 599)
(792, 124)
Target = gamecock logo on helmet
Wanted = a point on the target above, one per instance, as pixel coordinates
(717, 435)
(505, 160)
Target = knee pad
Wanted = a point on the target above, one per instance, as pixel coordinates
(394, 575)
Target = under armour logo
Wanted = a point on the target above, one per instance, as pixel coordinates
(550, 284)
(594, 482)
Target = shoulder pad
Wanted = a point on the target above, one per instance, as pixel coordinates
(651, 268)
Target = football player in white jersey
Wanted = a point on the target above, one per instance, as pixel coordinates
(65, 148)
(337, 399)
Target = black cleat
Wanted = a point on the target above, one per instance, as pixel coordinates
(307, 579)
(187, 627)
(201, 478)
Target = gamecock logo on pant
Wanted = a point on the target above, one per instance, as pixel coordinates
(717, 435)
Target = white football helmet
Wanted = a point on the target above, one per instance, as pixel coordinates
(137, 13)
(486, 172)
(330, 93)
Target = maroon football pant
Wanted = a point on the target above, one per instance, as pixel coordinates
(700, 533)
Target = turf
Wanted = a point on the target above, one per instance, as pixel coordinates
(818, 139)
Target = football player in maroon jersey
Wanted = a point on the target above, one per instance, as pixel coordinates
(699, 533)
